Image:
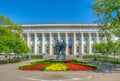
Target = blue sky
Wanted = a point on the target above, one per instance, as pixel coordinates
(48, 11)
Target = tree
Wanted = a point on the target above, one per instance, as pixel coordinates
(10, 39)
(108, 12)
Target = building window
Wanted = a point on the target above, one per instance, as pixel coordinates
(32, 37)
(47, 37)
(86, 49)
(25, 37)
(40, 49)
(63, 37)
(77, 49)
(100, 37)
(93, 37)
(32, 49)
(55, 37)
(92, 49)
(40, 37)
(70, 36)
(118, 37)
(47, 49)
(85, 37)
(77, 37)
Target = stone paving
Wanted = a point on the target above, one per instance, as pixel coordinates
(9, 72)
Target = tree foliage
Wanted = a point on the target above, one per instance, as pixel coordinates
(10, 39)
(108, 12)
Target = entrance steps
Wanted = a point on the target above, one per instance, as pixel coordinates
(54, 57)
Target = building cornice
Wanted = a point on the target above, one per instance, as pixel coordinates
(69, 25)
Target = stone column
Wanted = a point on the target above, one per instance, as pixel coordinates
(43, 40)
(82, 47)
(66, 43)
(28, 39)
(50, 44)
(89, 42)
(74, 43)
(35, 44)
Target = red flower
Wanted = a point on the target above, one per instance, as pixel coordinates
(78, 67)
(37, 67)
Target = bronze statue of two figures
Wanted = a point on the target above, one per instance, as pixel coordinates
(60, 50)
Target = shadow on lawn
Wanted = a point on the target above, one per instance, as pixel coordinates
(106, 67)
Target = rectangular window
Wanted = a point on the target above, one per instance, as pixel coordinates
(85, 37)
(77, 49)
(92, 49)
(40, 37)
(25, 37)
(62, 37)
(55, 37)
(32, 37)
(100, 37)
(77, 37)
(47, 37)
(32, 49)
(86, 48)
(40, 49)
(93, 37)
(47, 49)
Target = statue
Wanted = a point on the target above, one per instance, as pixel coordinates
(63, 50)
(58, 50)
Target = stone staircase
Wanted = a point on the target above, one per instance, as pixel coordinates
(54, 57)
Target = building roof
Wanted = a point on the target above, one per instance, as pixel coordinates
(46, 25)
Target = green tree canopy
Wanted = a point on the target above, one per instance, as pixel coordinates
(10, 39)
(108, 12)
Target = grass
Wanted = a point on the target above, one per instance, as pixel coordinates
(102, 58)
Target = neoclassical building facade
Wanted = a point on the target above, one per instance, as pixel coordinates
(79, 38)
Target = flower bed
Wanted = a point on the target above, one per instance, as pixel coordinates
(50, 65)
(56, 67)
(78, 67)
(37, 67)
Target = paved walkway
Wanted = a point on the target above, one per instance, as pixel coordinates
(8, 72)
